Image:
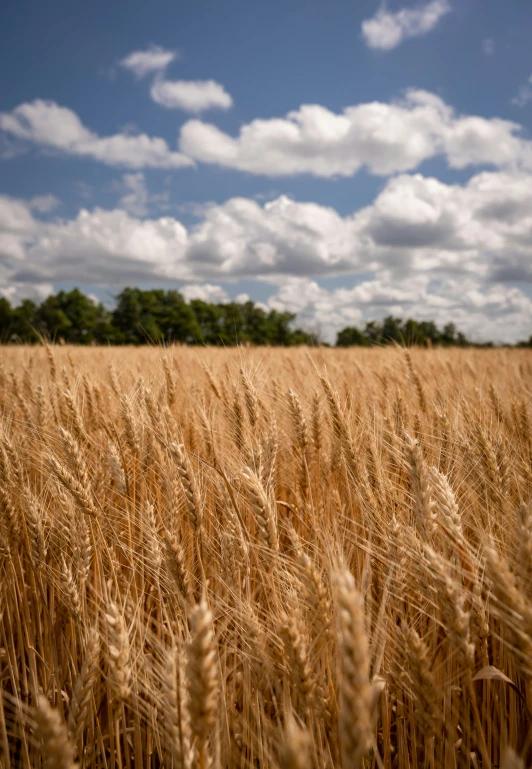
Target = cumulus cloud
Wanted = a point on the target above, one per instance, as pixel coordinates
(107, 248)
(49, 125)
(422, 248)
(387, 30)
(153, 59)
(190, 95)
(524, 94)
(244, 238)
(416, 225)
(383, 138)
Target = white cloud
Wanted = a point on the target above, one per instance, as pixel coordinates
(483, 228)
(153, 59)
(387, 30)
(422, 248)
(384, 138)
(207, 292)
(524, 94)
(488, 46)
(242, 237)
(47, 124)
(190, 95)
(108, 247)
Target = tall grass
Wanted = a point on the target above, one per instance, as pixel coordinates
(265, 558)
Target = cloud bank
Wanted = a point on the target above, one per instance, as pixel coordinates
(384, 138)
(421, 248)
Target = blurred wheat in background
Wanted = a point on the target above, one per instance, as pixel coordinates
(265, 558)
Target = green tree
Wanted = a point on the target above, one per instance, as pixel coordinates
(24, 322)
(232, 325)
(404, 332)
(351, 337)
(280, 331)
(210, 320)
(154, 316)
(133, 317)
(175, 318)
(448, 335)
(392, 330)
(74, 317)
(6, 319)
(373, 332)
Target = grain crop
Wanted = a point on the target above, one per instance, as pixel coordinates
(265, 558)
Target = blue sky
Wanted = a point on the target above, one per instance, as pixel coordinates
(341, 160)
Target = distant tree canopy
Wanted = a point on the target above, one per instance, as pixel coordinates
(142, 317)
(163, 317)
(404, 332)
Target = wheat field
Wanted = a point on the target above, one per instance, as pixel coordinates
(265, 558)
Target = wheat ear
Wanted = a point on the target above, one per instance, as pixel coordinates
(84, 687)
(56, 746)
(202, 676)
(356, 691)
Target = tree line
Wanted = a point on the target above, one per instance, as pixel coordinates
(146, 317)
(408, 332)
(164, 317)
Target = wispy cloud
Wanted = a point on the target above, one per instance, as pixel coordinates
(488, 46)
(190, 95)
(44, 203)
(135, 197)
(153, 59)
(387, 30)
(524, 94)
